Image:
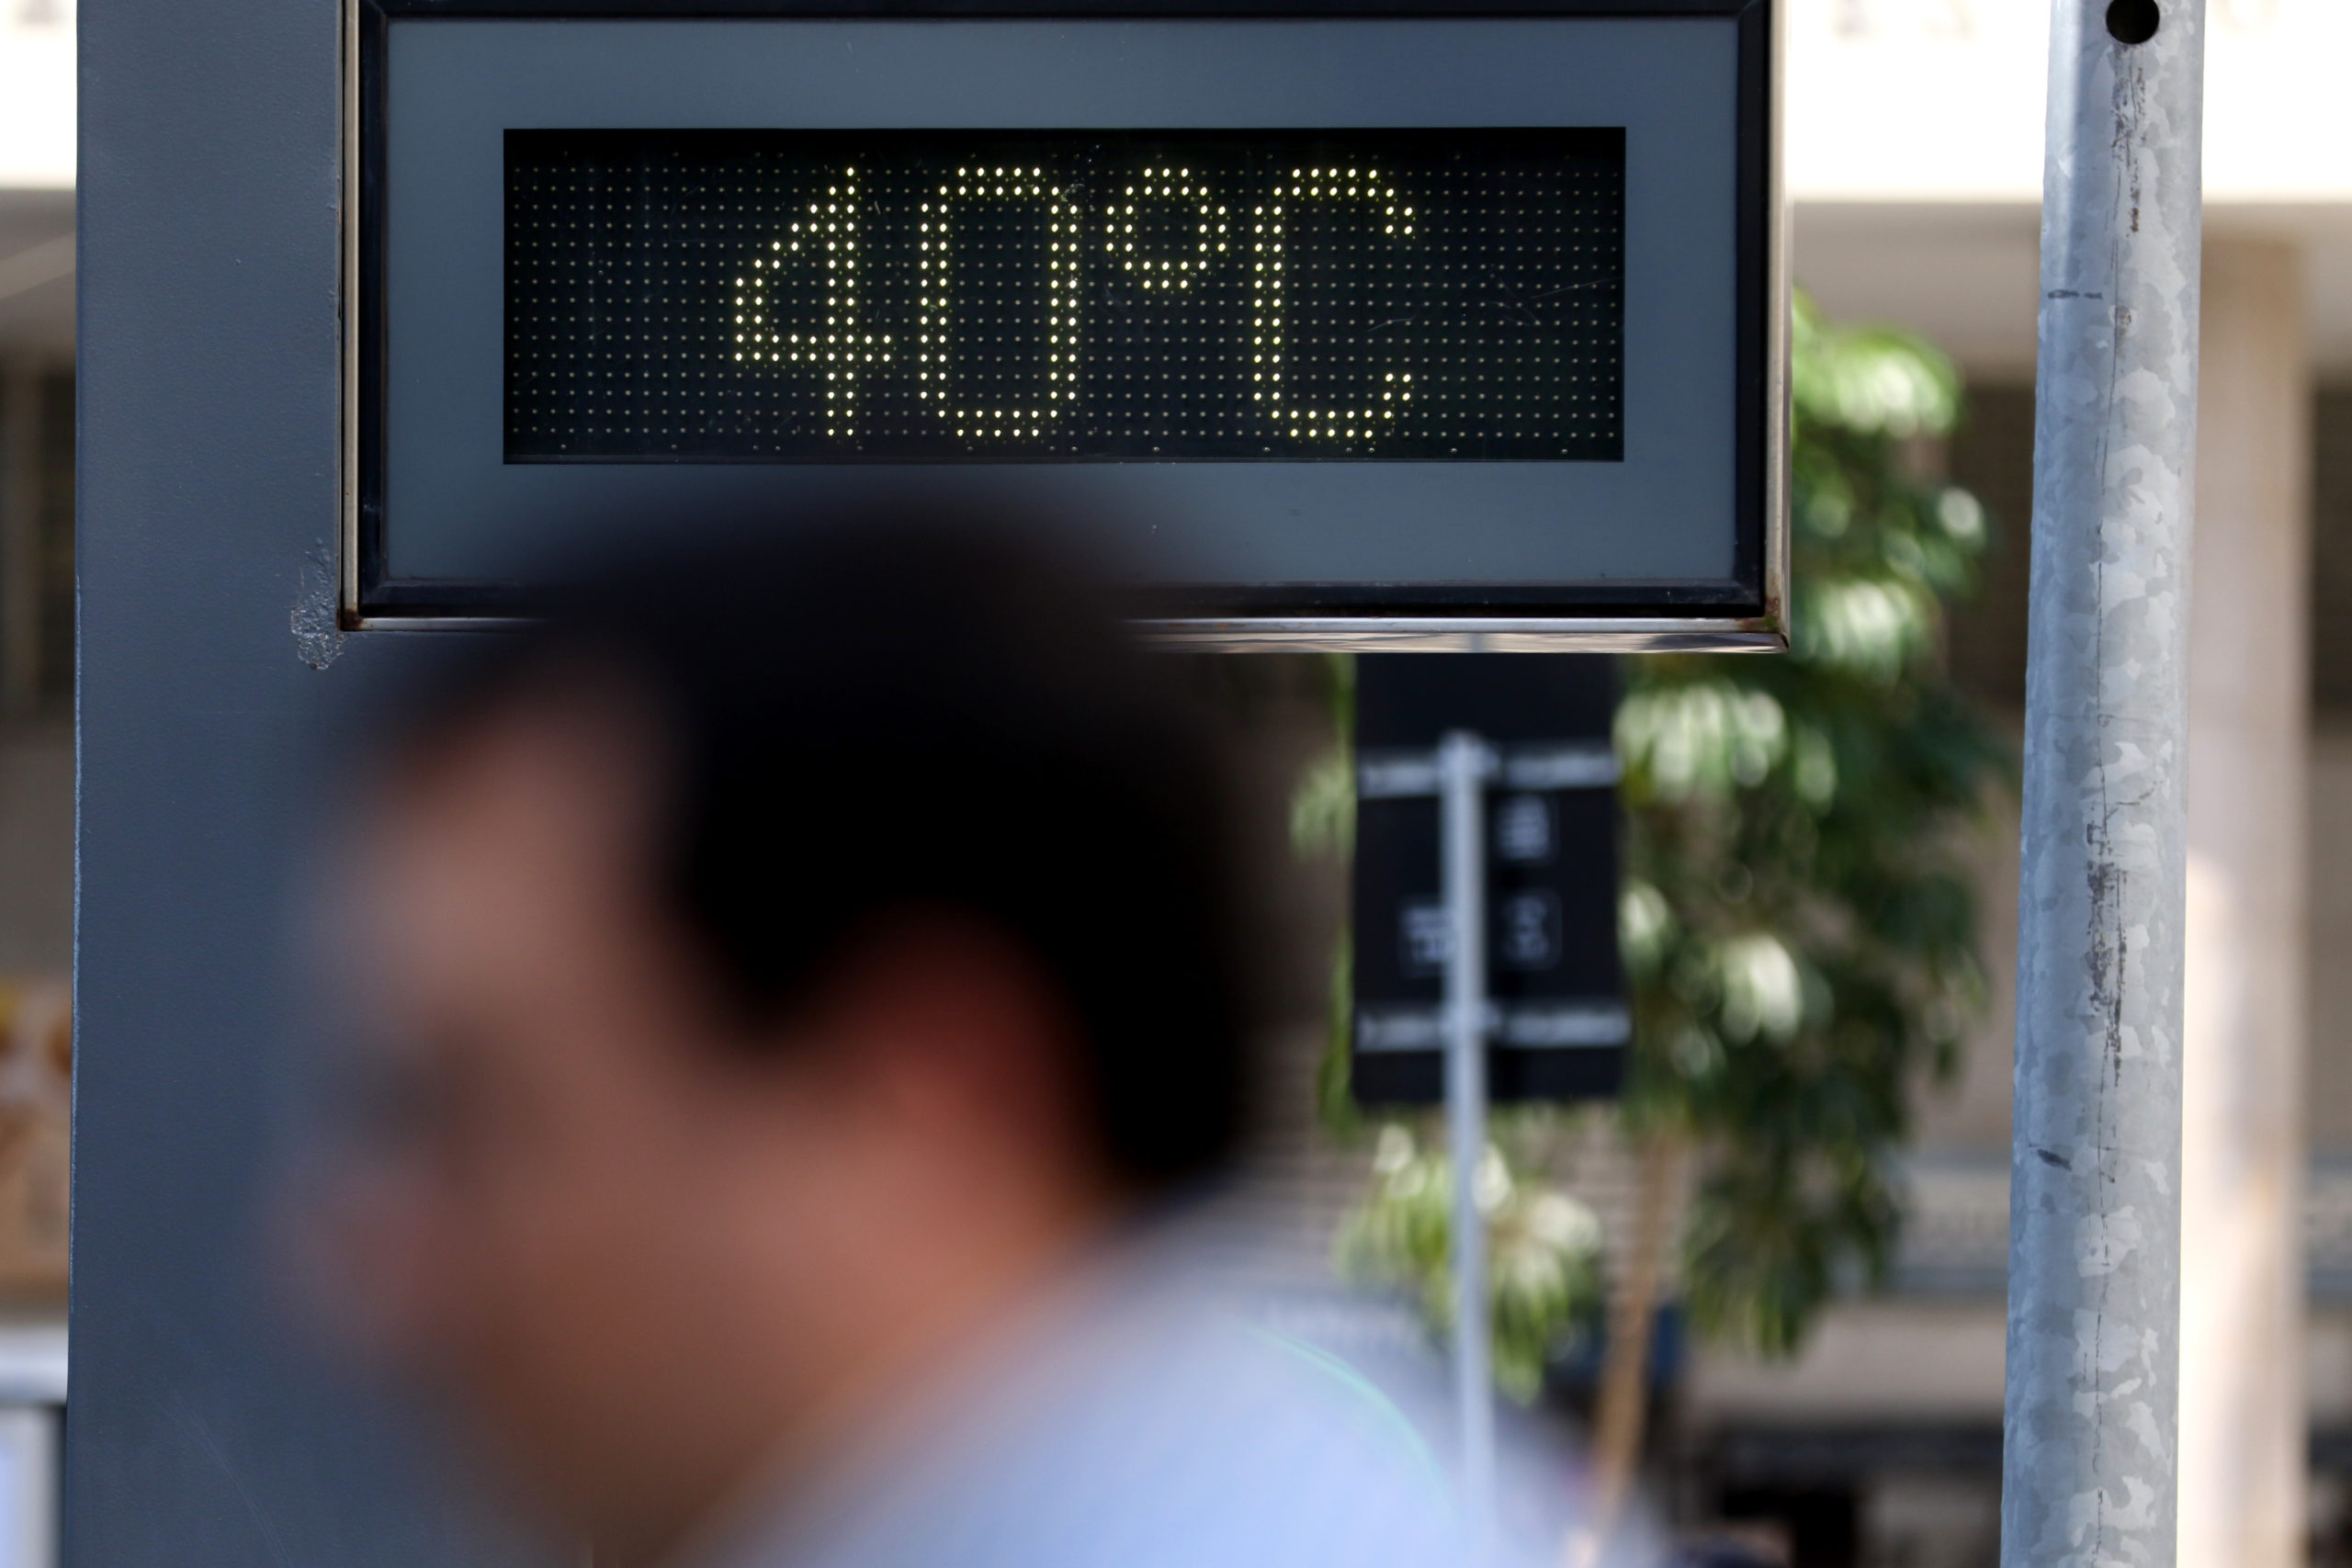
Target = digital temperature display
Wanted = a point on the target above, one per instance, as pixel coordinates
(1072, 296)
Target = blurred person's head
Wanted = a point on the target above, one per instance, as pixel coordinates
(793, 950)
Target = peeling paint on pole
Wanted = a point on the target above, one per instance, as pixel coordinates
(2091, 1416)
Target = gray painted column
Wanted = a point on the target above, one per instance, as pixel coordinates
(208, 1430)
(2242, 1444)
(2090, 1423)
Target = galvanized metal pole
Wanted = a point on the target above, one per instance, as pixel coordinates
(1464, 764)
(2091, 1417)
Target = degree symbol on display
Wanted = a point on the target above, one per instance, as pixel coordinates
(1174, 186)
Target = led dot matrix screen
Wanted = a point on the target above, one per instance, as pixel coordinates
(1336, 324)
(766, 295)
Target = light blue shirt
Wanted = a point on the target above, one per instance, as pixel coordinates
(1141, 1425)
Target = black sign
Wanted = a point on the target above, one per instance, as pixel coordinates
(1561, 1024)
(962, 296)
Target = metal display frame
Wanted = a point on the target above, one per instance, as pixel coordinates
(1751, 616)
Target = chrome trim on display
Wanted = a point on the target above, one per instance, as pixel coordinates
(1398, 634)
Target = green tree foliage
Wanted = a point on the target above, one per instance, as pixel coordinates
(1797, 917)
(1798, 923)
(1543, 1273)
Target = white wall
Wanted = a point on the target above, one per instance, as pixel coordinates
(37, 94)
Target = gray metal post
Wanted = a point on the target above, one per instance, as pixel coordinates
(1463, 765)
(2092, 1406)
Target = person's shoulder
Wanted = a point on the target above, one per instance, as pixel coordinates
(1213, 1440)
(1155, 1431)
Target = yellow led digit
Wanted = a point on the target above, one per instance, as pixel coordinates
(938, 282)
(1268, 307)
(840, 355)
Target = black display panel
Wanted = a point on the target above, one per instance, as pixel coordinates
(760, 296)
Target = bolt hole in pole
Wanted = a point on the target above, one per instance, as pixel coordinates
(2132, 21)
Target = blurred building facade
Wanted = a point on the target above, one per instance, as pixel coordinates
(37, 167)
(1914, 164)
(36, 488)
